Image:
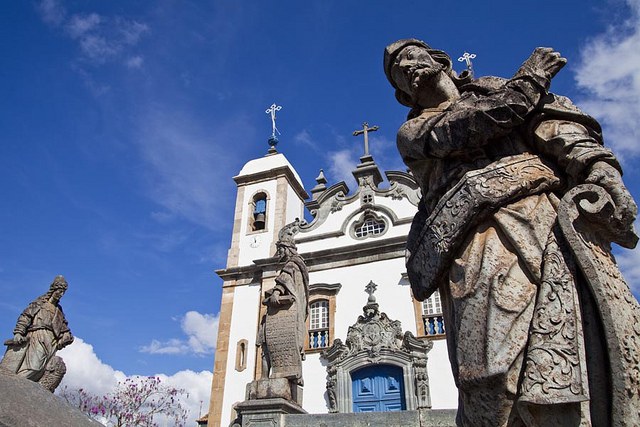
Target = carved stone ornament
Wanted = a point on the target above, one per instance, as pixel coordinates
(376, 339)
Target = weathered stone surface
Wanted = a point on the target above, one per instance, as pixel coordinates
(282, 331)
(25, 403)
(40, 331)
(265, 412)
(521, 202)
(421, 418)
(273, 388)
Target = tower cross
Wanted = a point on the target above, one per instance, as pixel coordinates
(365, 130)
(272, 110)
(467, 57)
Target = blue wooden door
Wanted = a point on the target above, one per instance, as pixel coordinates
(378, 388)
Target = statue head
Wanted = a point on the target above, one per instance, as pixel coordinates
(58, 288)
(408, 61)
(286, 243)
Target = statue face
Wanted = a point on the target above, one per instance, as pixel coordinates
(57, 294)
(424, 79)
(413, 67)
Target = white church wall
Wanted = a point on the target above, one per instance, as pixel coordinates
(315, 380)
(444, 394)
(295, 206)
(244, 320)
(394, 299)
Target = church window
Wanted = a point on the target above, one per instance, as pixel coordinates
(258, 217)
(432, 315)
(371, 226)
(241, 355)
(319, 324)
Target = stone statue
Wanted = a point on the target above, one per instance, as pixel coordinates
(521, 201)
(40, 331)
(283, 331)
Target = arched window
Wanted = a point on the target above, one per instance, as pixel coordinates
(241, 355)
(258, 219)
(319, 324)
(369, 226)
(432, 315)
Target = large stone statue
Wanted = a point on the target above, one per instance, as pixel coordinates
(521, 201)
(283, 331)
(41, 330)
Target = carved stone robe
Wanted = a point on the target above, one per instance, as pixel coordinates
(46, 329)
(284, 330)
(492, 167)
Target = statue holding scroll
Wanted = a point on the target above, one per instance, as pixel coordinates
(283, 329)
(521, 201)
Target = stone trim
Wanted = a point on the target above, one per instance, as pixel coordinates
(326, 292)
(241, 355)
(417, 310)
(222, 352)
(268, 175)
(360, 253)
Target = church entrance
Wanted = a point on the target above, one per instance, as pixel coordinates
(378, 388)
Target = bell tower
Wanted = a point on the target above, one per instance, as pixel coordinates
(270, 195)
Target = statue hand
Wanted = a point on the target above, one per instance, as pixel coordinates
(543, 63)
(19, 339)
(608, 177)
(277, 300)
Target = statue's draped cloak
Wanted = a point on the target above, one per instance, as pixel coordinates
(45, 327)
(486, 235)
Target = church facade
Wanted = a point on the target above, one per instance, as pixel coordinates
(370, 345)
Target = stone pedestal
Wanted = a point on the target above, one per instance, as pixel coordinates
(274, 388)
(265, 412)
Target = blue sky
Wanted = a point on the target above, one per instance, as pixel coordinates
(122, 123)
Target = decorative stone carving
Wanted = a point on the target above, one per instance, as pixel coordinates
(520, 204)
(40, 331)
(376, 339)
(282, 331)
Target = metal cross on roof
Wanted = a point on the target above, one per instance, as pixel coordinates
(467, 57)
(370, 289)
(272, 110)
(365, 130)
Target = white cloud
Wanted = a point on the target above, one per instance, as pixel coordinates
(51, 11)
(304, 137)
(135, 62)
(341, 163)
(100, 38)
(629, 263)
(80, 24)
(609, 73)
(201, 331)
(188, 169)
(85, 370)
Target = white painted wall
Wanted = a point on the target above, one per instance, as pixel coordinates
(444, 394)
(244, 321)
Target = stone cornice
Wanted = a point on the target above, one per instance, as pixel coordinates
(361, 253)
(271, 174)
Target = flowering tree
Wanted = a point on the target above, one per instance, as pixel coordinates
(134, 402)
